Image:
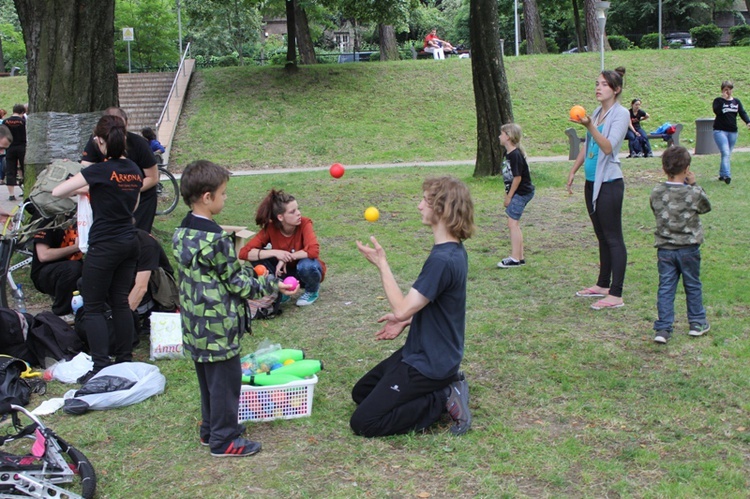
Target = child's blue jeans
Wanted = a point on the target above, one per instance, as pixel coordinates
(673, 263)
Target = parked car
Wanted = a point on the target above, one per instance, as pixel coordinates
(574, 50)
(680, 37)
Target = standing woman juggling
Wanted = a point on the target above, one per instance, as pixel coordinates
(605, 189)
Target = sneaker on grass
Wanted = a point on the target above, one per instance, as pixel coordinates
(239, 447)
(662, 336)
(698, 329)
(457, 406)
(510, 262)
(307, 298)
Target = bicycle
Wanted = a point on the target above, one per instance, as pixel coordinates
(167, 191)
(48, 463)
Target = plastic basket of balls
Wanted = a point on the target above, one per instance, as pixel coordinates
(288, 401)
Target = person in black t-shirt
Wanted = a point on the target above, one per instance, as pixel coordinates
(638, 143)
(518, 191)
(726, 109)
(412, 388)
(151, 258)
(109, 267)
(56, 267)
(16, 153)
(139, 151)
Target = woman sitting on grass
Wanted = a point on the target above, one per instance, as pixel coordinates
(286, 244)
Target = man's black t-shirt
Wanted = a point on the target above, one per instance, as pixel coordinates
(114, 186)
(151, 257)
(54, 238)
(17, 126)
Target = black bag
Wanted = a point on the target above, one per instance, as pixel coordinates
(14, 330)
(51, 337)
(13, 388)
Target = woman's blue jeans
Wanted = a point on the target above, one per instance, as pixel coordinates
(309, 272)
(725, 142)
(673, 263)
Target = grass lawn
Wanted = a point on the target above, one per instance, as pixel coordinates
(567, 401)
(255, 118)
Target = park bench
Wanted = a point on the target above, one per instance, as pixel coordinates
(14, 72)
(575, 141)
(427, 55)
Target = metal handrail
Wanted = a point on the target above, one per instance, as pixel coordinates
(174, 89)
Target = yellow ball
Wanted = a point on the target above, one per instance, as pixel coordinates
(372, 214)
(288, 361)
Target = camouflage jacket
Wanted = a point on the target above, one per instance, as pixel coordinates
(214, 288)
(676, 208)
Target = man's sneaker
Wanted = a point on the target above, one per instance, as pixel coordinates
(204, 441)
(307, 298)
(239, 447)
(510, 262)
(458, 407)
(698, 329)
(727, 180)
(662, 336)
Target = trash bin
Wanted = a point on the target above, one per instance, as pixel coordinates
(704, 136)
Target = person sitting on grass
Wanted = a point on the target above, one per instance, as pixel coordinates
(677, 204)
(56, 266)
(412, 388)
(213, 289)
(294, 249)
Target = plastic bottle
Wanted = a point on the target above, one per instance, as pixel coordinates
(20, 301)
(76, 302)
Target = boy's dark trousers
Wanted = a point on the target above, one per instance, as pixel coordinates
(220, 384)
(395, 398)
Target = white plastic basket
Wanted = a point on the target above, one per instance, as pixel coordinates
(266, 403)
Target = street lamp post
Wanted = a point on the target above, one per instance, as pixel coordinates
(601, 17)
(179, 26)
(518, 31)
(659, 24)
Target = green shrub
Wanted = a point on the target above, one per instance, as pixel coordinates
(745, 42)
(649, 41)
(552, 47)
(739, 33)
(618, 42)
(706, 36)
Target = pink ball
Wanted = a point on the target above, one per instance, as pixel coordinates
(291, 281)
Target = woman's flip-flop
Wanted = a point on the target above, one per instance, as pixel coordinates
(590, 293)
(601, 304)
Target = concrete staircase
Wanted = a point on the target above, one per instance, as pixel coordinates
(142, 96)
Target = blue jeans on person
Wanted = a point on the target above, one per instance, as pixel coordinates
(517, 204)
(725, 142)
(309, 272)
(673, 263)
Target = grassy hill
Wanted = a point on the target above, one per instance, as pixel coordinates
(423, 110)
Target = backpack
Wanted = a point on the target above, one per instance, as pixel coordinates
(14, 331)
(164, 291)
(41, 194)
(52, 337)
(13, 388)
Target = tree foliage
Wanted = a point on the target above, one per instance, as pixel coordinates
(154, 24)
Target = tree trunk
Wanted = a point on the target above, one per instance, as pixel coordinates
(2, 58)
(388, 45)
(291, 37)
(535, 43)
(70, 52)
(71, 73)
(306, 48)
(491, 92)
(593, 35)
(577, 20)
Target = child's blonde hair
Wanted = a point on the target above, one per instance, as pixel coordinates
(513, 131)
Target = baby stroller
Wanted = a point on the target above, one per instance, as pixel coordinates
(43, 462)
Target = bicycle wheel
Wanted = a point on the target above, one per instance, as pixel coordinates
(167, 192)
(6, 253)
(84, 471)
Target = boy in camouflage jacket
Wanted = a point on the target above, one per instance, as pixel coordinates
(213, 292)
(676, 205)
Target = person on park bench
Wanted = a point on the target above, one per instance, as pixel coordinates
(436, 46)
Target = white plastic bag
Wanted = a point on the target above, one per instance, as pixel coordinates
(69, 371)
(149, 381)
(85, 219)
(166, 336)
